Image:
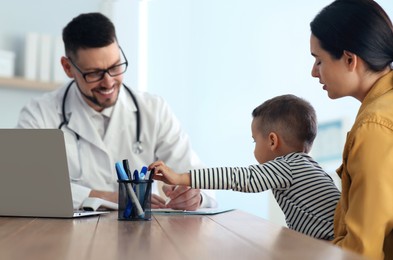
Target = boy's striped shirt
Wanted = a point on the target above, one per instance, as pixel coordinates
(306, 194)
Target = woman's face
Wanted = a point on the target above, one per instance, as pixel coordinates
(335, 75)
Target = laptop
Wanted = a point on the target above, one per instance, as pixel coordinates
(34, 179)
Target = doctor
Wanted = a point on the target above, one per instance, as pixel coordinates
(104, 121)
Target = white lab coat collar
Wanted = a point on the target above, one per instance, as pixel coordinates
(122, 110)
(78, 115)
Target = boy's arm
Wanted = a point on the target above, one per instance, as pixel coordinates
(167, 175)
(185, 179)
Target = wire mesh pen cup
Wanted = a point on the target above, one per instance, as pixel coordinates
(134, 200)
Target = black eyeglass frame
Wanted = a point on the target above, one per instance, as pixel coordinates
(101, 72)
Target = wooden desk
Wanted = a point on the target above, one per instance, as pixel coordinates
(232, 235)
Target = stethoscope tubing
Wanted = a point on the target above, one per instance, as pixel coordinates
(138, 147)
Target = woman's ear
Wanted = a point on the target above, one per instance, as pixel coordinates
(66, 66)
(273, 141)
(351, 60)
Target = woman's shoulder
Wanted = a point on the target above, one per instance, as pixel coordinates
(379, 112)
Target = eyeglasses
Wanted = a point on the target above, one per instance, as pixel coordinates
(97, 75)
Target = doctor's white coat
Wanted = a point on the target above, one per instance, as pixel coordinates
(91, 159)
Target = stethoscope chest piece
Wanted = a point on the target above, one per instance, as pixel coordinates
(137, 147)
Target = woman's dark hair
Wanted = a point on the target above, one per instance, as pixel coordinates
(359, 26)
(89, 30)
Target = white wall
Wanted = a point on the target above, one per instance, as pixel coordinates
(213, 60)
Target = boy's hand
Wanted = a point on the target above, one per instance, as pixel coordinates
(165, 174)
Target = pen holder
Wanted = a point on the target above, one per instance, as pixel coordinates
(134, 200)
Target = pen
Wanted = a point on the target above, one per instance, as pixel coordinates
(148, 188)
(137, 179)
(168, 199)
(136, 175)
(142, 173)
(130, 191)
(128, 208)
(127, 168)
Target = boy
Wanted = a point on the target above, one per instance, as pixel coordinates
(283, 129)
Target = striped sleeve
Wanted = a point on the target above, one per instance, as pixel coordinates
(256, 178)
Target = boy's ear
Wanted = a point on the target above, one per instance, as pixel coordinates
(351, 60)
(273, 141)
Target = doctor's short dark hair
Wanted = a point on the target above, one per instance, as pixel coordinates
(88, 30)
(292, 118)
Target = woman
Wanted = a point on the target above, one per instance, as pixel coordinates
(352, 42)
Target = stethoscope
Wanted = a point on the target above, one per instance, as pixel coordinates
(136, 147)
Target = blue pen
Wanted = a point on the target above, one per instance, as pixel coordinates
(130, 191)
(136, 175)
(148, 188)
(128, 209)
(142, 173)
(137, 179)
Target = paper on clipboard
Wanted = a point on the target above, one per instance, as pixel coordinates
(203, 211)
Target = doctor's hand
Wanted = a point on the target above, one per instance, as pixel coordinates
(182, 197)
(157, 202)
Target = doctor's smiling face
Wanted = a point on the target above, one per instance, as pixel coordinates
(98, 73)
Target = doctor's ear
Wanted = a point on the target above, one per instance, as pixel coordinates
(65, 63)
